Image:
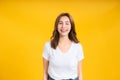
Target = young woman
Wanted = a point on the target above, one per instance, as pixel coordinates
(63, 54)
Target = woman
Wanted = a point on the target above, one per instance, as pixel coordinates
(63, 54)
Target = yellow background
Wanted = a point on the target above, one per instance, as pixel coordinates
(26, 25)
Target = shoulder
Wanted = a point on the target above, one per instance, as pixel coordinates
(78, 45)
(47, 44)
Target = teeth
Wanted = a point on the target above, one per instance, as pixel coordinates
(63, 30)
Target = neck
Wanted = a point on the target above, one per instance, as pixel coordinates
(64, 39)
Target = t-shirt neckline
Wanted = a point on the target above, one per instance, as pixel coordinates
(67, 52)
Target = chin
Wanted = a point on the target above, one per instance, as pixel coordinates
(64, 34)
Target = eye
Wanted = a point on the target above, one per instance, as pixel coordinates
(60, 23)
(67, 23)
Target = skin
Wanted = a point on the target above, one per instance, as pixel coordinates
(64, 44)
(64, 28)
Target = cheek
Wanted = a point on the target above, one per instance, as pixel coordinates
(69, 27)
(58, 27)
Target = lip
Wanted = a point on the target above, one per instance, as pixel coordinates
(64, 30)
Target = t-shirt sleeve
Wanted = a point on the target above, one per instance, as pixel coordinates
(46, 52)
(80, 54)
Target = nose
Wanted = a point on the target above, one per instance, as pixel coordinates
(63, 25)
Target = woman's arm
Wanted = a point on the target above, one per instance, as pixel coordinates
(80, 70)
(45, 65)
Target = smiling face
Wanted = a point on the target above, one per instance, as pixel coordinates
(64, 26)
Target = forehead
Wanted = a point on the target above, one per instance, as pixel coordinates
(64, 18)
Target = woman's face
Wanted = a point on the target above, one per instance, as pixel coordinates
(64, 26)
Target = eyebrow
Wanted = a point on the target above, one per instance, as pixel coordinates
(65, 21)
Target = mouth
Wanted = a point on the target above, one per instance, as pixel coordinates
(63, 30)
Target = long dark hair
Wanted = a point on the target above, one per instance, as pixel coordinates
(72, 33)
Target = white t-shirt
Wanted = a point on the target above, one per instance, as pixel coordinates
(63, 65)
